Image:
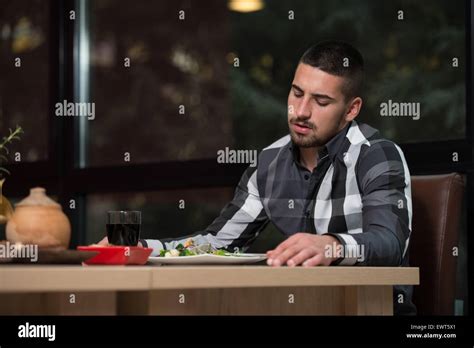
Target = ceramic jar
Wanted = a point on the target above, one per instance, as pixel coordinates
(39, 220)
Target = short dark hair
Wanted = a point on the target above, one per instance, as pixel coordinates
(341, 59)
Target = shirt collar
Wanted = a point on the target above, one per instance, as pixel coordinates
(332, 148)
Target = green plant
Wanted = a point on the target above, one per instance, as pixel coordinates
(4, 152)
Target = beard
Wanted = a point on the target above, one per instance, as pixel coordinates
(306, 140)
(311, 139)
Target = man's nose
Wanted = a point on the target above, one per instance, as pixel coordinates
(303, 109)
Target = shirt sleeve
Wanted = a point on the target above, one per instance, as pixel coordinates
(384, 183)
(237, 225)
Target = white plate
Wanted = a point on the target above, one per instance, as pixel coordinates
(207, 259)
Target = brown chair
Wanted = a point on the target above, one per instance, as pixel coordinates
(437, 202)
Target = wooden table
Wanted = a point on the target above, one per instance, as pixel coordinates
(204, 290)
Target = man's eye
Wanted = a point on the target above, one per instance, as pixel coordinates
(297, 94)
(322, 104)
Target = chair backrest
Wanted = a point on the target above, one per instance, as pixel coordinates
(437, 203)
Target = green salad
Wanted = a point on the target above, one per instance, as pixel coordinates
(189, 249)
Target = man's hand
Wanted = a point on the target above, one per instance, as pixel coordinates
(105, 241)
(304, 249)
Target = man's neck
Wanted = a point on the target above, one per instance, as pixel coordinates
(309, 157)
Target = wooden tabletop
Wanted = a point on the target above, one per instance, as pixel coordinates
(23, 278)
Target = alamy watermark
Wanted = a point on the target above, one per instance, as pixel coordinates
(28, 330)
(335, 250)
(75, 109)
(19, 251)
(237, 156)
(395, 109)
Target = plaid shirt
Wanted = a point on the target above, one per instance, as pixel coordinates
(359, 193)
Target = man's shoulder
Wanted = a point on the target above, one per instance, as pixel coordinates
(370, 139)
(282, 142)
(275, 148)
(278, 149)
(378, 153)
(363, 134)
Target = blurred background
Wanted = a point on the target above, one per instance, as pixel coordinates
(182, 98)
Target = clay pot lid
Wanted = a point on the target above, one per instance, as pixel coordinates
(37, 197)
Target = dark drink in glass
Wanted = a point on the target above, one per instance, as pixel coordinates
(123, 227)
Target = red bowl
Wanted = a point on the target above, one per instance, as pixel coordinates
(117, 255)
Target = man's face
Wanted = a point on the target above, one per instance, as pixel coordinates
(316, 106)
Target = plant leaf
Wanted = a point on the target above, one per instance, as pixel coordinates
(4, 170)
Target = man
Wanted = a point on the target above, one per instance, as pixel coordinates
(337, 188)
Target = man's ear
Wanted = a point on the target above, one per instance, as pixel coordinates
(354, 108)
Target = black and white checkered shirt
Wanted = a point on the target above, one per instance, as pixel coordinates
(359, 193)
